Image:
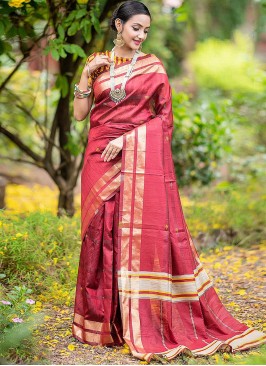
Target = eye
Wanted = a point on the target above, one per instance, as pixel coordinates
(135, 29)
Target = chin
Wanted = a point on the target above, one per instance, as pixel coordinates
(135, 47)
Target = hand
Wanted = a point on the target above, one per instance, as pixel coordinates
(112, 149)
(98, 61)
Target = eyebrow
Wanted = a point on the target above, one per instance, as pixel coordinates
(140, 25)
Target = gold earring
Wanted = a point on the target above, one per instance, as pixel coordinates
(119, 42)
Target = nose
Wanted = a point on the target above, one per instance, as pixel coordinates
(141, 35)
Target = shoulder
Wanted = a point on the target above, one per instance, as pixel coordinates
(156, 63)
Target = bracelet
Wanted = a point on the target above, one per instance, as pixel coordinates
(81, 93)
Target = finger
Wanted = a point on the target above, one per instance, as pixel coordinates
(112, 152)
(112, 156)
(104, 151)
(108, 153)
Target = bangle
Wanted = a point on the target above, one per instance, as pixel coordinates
(81, 93)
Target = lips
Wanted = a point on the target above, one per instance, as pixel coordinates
(137, 42)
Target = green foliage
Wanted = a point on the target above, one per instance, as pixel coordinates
(28, 107)
(215, 17)
(228, 65)
(30, 18)
(17, 322)
(43, 256)
(250, 118)
(17, 305)
(234, 208)
(201, 137)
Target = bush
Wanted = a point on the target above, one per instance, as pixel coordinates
(201, 138)
(43, 249)
(228, 65)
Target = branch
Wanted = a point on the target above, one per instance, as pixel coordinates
(16, 140)
(25, 56)
(13, 72)
(28, 113)
(21, 161)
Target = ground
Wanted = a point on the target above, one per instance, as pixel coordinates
(237, 274)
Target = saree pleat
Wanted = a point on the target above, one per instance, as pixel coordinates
(97, 317)
(140, 279)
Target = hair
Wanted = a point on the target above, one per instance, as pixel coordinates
(127, 10)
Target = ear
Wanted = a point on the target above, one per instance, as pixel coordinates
(118, 24)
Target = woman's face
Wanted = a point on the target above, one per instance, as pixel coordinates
(135, 30)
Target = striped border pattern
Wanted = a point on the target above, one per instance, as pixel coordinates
(99, 193)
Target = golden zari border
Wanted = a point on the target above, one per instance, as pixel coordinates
(102, 196)
(91, 324)
(101, 182)
(146, 67)
(91, 338)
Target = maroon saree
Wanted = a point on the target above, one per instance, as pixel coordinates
(140, 279)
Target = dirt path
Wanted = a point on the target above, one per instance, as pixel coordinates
(237, 274)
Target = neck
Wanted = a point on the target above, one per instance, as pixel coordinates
(124, 51)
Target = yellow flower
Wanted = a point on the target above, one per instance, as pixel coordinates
(18, 235)
(60, 228)
(226, 356)
(71, 347)
(241, 292)
(217, 265)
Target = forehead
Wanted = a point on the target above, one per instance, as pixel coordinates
(142, 19)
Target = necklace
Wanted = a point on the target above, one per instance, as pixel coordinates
(119, 94)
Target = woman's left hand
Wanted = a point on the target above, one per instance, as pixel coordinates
(112, 149)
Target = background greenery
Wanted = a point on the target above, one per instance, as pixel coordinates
(211, 50)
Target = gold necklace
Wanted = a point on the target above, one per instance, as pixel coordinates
(119, 94)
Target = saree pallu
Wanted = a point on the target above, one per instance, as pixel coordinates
(140, 278)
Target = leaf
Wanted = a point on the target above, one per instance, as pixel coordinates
(2, 29)
(87, 33)
(68, 48)
(62, 52)
(55, 54)
(95, 22)
(61, 31)
(80, 13)
(73, 29)
(78, 50)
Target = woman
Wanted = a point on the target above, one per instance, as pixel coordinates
(140, 280)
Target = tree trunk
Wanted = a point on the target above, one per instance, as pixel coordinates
(66, 204)
(3, 183)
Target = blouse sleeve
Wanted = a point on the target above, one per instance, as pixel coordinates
(92, 76)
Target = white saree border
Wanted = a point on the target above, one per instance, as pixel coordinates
(130, 223)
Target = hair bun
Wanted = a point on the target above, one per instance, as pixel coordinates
(126, 10)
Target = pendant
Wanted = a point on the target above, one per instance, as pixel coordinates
(117, 95)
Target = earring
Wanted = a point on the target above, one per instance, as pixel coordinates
(119, 42)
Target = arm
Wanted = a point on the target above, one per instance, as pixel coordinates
(82, 106)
